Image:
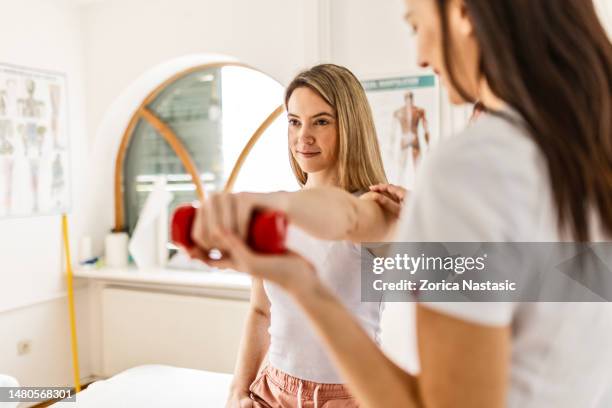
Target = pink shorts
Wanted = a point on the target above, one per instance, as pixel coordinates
(276, 389)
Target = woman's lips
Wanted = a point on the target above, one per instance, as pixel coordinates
(309, 154)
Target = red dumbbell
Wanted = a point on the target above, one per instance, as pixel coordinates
(267, 230)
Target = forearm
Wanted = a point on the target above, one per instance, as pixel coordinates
(253, 348)
(332, 214)
(373, 379)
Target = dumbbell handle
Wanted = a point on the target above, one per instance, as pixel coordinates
(267, 229)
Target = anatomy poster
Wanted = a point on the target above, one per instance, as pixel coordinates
(407, 117)
(34, 148)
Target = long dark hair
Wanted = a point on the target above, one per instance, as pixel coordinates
(551, 61)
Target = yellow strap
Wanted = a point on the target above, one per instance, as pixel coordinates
(73, 334)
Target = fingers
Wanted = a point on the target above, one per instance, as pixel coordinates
(237, 249)
(197, 253)
(391, 206)
(287, 270)
(247, 403)
(397, 192)
(214, 217)
(243, 208)
(222, 211)
(242, 403)
(207, 223)
(384, 188)
(225, 210)
(214, 214)
(210, 220)
(226, 261)
(199, 230)
(379, 188)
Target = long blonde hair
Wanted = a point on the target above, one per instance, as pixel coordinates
(359, 160)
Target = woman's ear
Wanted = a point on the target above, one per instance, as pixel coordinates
(462, 21)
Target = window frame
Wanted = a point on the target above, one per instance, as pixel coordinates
(164, 130)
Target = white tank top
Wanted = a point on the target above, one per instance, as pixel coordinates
(295, 348)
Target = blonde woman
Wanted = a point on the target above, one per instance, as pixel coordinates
(334, 154)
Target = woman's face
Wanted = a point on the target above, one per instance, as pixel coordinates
(423, 16)
(313, 131)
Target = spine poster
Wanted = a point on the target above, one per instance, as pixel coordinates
(407, 118)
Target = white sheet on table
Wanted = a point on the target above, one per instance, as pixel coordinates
(155, 386)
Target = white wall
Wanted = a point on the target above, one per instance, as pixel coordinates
(43, 34)
(126, 38)
(371, 38)
(46, 324)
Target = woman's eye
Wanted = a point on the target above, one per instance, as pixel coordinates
(414, 29)
(293, 122)
(321, 122)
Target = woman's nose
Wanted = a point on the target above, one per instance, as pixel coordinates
(422, 61)
(422, 57)
(305, 136)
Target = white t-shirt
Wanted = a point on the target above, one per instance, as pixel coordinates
(490, 184)
(295, 348)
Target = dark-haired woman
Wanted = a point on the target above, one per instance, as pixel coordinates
(537, 167)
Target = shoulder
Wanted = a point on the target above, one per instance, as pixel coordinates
(483, 184)
(492, 155)
(492, 142)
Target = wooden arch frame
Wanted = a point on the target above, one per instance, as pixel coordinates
(144, 113)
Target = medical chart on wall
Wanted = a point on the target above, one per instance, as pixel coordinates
(34, 148)
(407, 117)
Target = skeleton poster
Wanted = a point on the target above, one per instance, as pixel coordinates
(407, 117)
(34, 144)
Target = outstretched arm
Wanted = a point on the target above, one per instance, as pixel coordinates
(462, 364)
(334, 214)
(327, 213)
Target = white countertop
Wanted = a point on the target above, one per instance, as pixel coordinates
(226, 280)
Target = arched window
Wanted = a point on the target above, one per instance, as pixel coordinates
(198, 130)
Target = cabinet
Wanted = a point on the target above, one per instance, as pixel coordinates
(143, 327)
(183, 319)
